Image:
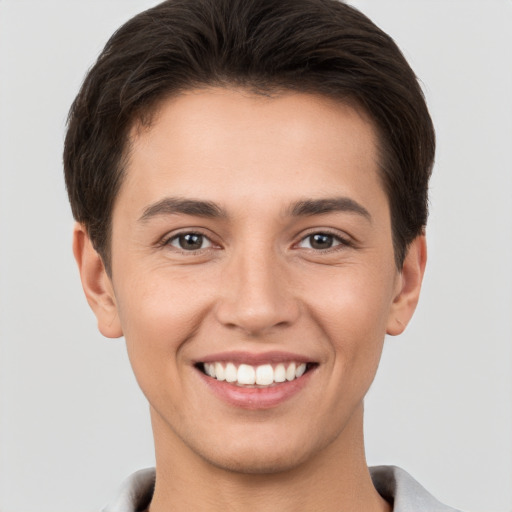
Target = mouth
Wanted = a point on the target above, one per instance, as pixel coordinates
(260, 376)
(255, 381)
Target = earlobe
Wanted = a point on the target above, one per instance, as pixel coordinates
(408, 286)
(96, 284)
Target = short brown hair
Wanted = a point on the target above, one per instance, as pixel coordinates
(318, 46)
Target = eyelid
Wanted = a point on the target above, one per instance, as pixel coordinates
(165, 241)
(176, 238)
(344, 240)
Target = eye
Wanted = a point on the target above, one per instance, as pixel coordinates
(321, 241)
(190, 242)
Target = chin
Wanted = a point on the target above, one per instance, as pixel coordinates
(254, 462)
(261, 454)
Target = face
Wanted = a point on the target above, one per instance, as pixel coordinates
(253, 275)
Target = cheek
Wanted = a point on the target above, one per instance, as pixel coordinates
(354, 319)
(158, 316)
(353, 300)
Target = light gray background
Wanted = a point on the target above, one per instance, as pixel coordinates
(73, 423)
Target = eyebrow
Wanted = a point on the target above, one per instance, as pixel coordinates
(177, 205)
(209, 209)
(309, 207)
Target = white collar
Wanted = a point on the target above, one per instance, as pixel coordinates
(393, 484)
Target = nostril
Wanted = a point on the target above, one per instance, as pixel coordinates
(255, 321)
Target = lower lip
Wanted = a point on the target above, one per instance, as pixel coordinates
(256, 398)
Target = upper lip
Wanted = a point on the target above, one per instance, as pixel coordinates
(255, 359)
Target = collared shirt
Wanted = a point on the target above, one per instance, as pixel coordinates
(394, 484)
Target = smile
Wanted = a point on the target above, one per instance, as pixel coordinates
(246, 375)
(256, 381)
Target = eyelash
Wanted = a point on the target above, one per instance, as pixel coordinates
(340, 242)
(166, 242)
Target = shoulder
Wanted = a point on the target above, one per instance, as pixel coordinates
(407, 495)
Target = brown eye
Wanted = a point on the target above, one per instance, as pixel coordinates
(320, 241)
(190, 242)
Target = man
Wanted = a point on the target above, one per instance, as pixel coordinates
(249, 180)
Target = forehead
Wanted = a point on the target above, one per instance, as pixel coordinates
(222, 144)
(235, 112)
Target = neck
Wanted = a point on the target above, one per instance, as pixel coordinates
(335, 479)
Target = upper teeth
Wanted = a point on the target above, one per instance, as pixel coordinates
(263, 375)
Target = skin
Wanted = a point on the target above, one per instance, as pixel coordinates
(257, 284)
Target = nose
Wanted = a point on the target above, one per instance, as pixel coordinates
(258, 294)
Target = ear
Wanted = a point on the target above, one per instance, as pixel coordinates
(96, 283)
(408, 286)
